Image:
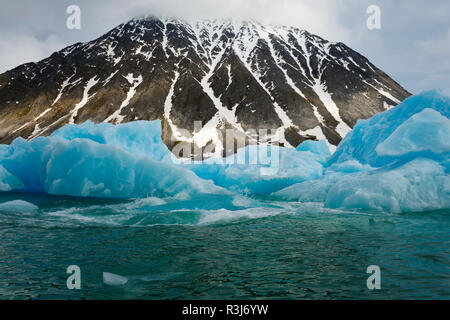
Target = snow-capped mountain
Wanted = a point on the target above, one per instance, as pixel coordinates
(241, 76)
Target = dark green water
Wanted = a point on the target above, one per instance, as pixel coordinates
(264, 250)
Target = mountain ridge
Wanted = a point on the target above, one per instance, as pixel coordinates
(242, 76)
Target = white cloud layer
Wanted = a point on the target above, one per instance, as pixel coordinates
(16, 49)
(320, 17)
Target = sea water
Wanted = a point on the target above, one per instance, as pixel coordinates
(111, 202)
(270, 250)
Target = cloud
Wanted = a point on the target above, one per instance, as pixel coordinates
(319, 17)
(439, 46)
(16, 49)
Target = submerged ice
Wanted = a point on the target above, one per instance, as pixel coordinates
(397, 161)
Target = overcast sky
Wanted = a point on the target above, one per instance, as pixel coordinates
(413, 45)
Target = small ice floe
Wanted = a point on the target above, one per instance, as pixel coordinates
(18, 206)
(111, 279)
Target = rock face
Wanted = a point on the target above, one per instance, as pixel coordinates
(203, 79)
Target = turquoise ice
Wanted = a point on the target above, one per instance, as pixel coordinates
(103, 161)
(397, 161)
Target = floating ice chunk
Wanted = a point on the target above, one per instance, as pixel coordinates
(362, 142)
(210, 217)
(398, 161)
(308, 191)
(86, 168)
(419, 185)
(112, 279)
(18, 206)
(425, 131)
(317, 190)
(240, 201)
(261, 169)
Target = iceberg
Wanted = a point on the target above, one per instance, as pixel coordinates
(427, 131)
(398, 161)
(131, 161)
(261, 170)
(317, 190)
(99, 164)
(140, 138)
(361, 143)
(18, 206)
(419, 185)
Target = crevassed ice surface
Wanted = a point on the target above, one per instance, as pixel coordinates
(397, 161)
(103, 160)
(362, 142)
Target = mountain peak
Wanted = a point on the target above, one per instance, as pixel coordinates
(238, 75)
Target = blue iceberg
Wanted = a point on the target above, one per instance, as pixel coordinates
(361, 144)
(419, 185)
(140, 138)
(130, 161)
(99, 161)
(262, 170)
(425, 132)
(17, 206)
(397, 161)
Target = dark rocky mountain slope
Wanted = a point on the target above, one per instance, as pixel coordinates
(227, 75)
